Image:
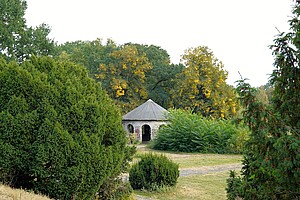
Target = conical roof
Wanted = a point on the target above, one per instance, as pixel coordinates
(148, 111)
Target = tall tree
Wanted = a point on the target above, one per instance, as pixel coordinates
(271, 160)
(201, 86)
(123, 76)
(17, 41)
(160, 79)
(87, 53)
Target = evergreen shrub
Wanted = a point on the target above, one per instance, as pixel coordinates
(271, 164)
(60, 134)
(188, 132)
(153, 172)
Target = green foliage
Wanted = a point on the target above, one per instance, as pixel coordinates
(188, 132)
(87, 53)
(132, 73)
(161, 78)
(233, 188)
(17, 41)
(60, 134)
(115, 188)
(262, 95)
(271, 160)
(153, 172)
(201, 86)
(272, 156)
(120, 69)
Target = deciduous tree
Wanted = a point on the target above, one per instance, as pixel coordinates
(201, 86)
(87, 53)
(161, 78)
(123, 76)
(17, 41)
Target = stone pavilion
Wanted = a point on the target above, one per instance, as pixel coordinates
(145, 120)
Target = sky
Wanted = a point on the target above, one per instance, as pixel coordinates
(239, 32)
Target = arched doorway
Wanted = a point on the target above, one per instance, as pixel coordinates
(146, 133)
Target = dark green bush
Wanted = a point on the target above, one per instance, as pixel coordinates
(153, 172)
(234, 183)
(60, 134)
(189, 132)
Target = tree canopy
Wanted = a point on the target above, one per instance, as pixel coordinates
(124, 77)
(132, 73)
(201, 85)
(17, 41)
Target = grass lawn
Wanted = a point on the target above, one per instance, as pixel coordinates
(203, 187)
(7, 193)
(193, 160)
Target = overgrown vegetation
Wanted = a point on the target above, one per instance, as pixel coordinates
(272, 156)
(60, 134)
(188, 132)
(153, 172)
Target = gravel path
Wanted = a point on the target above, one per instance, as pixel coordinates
(209, 169)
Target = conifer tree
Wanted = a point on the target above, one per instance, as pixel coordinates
(272, 158)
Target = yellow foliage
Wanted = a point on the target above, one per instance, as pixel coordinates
(233, 110)
(204, 74)
(207, 110)
(120, 93)
(102, 67)
(207, 93)
(124, 85)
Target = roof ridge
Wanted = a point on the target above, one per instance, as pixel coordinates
(149, 110)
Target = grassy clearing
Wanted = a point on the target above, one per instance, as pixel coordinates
(205, 187)
(202, 187)
(7, 193)
(194, 160)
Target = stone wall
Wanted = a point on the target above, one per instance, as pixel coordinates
(137, 127)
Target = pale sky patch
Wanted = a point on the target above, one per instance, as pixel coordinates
(237, 31)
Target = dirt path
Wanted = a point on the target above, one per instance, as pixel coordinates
(209, 169)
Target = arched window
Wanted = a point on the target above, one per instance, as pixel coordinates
(130, 128)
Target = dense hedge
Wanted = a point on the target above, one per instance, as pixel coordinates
(60, 134)
(189, 132)
(153, 172)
